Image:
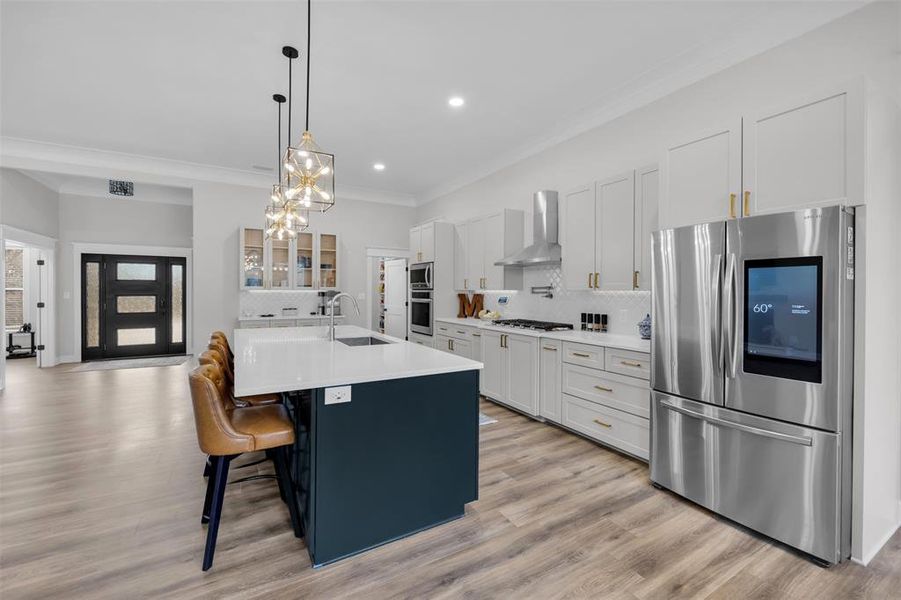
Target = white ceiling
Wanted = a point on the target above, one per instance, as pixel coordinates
(192, 81)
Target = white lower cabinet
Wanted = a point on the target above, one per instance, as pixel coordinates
(608, 425)
(616, 391)
(549, 380)
(422, 340)
(510, 374)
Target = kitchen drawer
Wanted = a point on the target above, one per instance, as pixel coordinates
(612, 427)
(253, 324)
(616, 391)
(281, 323)
(461, 332)
(583, 354)
(627, 362)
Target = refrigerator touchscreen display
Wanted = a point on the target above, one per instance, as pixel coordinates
(783, 305)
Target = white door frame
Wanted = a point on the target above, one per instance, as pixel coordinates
(47, 330)
(79, 248)
(374, 253)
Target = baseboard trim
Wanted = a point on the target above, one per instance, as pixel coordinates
(68, 358)
(865, 560)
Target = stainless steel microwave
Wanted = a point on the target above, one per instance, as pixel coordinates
(421, 276)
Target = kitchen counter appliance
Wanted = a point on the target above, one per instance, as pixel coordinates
(751, 371)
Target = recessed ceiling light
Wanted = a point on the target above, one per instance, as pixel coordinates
(379, 166)
(456, 101)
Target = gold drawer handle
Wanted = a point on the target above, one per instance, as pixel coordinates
(630, 363)
(477, 335)
(603, 389)
(602, 424)
(551, 348)
(461, 332)
(579, 354)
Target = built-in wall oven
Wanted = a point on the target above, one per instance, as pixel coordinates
(421, 312)
(421, 276)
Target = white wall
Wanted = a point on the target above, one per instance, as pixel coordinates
(28, 205)
(220, 210)
(89, 219)
(864, 43)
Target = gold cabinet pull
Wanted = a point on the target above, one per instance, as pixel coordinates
(465, 284)
(551, 348)
(451, 342)
(603, 389)
(442, 328)
(747, 204)
(461, 332)
(634, 280)
(581, 355)
(505, 341)
(731, 206)
(589, 280)
(602, 423)
(596, 275)
(630, 363)
(477, 335)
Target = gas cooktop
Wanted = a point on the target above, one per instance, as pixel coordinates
(530, 324)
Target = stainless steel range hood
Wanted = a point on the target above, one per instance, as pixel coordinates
(544, 249)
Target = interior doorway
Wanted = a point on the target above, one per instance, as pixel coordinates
(132, 306)
(386, 307)
(29, 324)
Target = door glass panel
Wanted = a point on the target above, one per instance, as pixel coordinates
(92, 304)
(280, 249)
(783, 317)
(304, 267)
(253, 258)
(135, 271)
(135, 304)
(136, 337)
(176, 302)
(328, 254)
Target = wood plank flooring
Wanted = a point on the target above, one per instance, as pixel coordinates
(101, 492)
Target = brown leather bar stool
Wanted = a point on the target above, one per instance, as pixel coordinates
(228, 368)
(225, 434)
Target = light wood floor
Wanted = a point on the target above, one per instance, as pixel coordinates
(102, 491)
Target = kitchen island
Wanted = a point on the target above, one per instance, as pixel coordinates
(386, 431)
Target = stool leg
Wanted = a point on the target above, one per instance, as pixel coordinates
(279, 456)
(220, 476)
(210, 486)
(206, 466)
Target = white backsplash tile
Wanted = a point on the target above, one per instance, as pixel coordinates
(624, 309)
(272, 302)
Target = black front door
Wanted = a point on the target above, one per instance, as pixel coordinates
(132, 306)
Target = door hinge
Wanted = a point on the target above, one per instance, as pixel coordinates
(40, 346)
(40, 262)
(41, 305)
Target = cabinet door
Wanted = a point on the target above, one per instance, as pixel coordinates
(476, 352)
(328, 261)
(303, 261)
(462, 281)
(443, 343)
(475, 253)
(415, 244)
(577, 239)
(252, 257)
(461, 348)
(522, 372)
(427, 243)
(279, 263)
(614, 237)
(804, 153)
(701, 177)
(493, 236)
(646, 202)
(494, 373)
(549, 380)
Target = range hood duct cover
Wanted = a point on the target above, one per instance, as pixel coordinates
(544, 249)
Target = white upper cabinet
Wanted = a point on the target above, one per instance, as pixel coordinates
(427, 243)
(309, 261)
(701, 177)
(577, 238)
(481, 243)
(598, 235)
(615, 214)
(647, 201)
(415, 243)
(805, 153)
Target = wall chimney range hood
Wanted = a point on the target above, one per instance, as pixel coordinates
(544, 249)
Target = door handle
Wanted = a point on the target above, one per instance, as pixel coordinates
(729, 321)
(589, 280)
(603, 389)
(634, 280)
(731, 206)
(451, 344)
(785, 437)
(747, 204)
(465, 284)
(603, 424)
(596, 275)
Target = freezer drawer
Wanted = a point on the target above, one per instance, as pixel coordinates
(781, 480)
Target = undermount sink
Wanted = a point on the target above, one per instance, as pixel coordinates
(362, 341)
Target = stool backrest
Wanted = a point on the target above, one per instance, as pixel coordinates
(214, 357)
(215, 433)
(221, 338)
(228, 366)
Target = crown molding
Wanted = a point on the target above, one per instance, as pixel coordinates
(648, 87)
(36, 156)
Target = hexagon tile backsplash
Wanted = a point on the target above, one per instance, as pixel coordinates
(624, 309)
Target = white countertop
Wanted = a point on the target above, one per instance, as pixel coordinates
(607, 340)
(284, 318)
(301, 358)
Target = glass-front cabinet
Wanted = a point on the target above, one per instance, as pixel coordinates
(310, 261)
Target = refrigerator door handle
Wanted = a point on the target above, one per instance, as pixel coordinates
(730, 317)
(718, 298)
(793, 439)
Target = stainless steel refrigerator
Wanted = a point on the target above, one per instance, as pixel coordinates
(752, 365)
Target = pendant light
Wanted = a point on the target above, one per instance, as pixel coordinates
(313, 169)
(284, 215)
